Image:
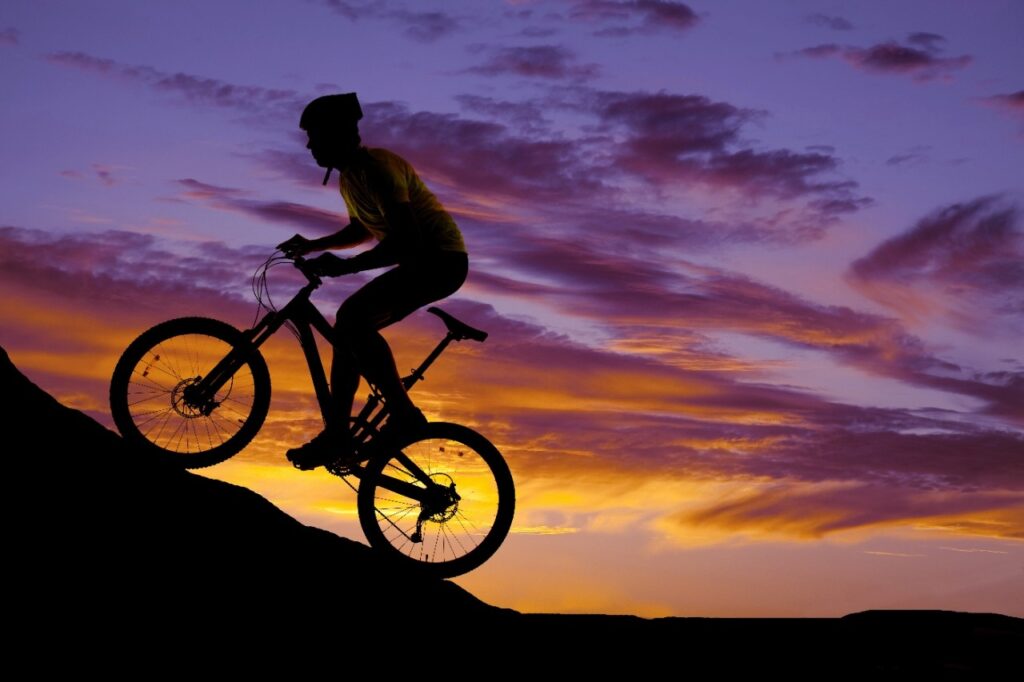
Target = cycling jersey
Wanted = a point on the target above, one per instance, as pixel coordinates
(381, 177)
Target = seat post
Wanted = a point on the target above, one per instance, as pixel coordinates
(417, 373)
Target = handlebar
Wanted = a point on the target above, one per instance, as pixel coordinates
(302, 265)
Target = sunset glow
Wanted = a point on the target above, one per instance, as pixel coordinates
(753, 273)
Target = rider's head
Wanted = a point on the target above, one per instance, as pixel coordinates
(332, 124)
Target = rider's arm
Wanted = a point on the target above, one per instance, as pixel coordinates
(405, 231)
(353, 234)
(402, 243)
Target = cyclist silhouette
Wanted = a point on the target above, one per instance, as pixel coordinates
(386, 201)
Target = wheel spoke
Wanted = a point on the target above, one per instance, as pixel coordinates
(469, 498)
(142, 400)
(458, 517)
(152, 380)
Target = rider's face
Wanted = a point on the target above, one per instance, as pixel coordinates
(332, 147)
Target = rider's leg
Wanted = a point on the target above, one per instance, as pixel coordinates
(360, 349)
(344, 384)
(377, 364)
(382, 302)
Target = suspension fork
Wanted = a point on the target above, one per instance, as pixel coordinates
(202, 392)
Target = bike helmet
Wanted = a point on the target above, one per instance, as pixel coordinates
(331, 111)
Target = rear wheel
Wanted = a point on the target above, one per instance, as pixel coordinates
(442, 504)
(155, 405)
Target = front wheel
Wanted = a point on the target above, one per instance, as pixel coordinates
(156, 404)
(442, 504)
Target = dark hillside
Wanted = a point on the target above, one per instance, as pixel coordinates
(110, 549)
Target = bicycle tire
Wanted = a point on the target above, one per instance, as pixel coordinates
(152, 373)
(458, 538)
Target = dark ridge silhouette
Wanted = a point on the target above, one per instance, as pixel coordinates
(126, 533)
(114, 551)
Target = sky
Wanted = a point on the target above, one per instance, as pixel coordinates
(753, 273)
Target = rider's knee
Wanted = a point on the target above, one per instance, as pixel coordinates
(349, 316)
(355, 321)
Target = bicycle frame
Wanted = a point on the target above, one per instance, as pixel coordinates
(305, 317)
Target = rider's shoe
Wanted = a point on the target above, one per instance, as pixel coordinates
(325, 448)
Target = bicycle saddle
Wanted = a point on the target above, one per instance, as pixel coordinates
(460, 330)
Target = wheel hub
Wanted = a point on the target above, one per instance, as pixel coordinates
(182, 399)
(442, 503)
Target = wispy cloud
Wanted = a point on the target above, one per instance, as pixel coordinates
(669, 138)
(553, 62)
(626, 17)
(1012, 102)
(10, 36)
(562, 408)
(252, 100)
(964, 262)
(836, 23)
(585, 279)
(101, 172)
(919, 58)
(658, 139)
(816, 511)
(296, 216)
(423, 26)
(912, 156)
(100, 261)
(900, 555)
(655, 137)
(973, 550)
(427, 27)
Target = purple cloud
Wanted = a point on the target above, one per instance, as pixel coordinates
(101, 172)
(1010, 103)
(540, 61)
(490, 157)
(659, 138)
(587, 279)
(127, 273)
(624, 17)
(297, 216)
(527, 117)
(483, 156)
(825, 50)
(919, 59)
(972, 254)
(425, 27)
(833, 22)
(349, 10)
(912, 156)
(487, 157)
(812, 512)
(815, 442)
(1013, 102)
(700, 415)
(930, 42)
(194, 89)
(10, 36)
(673, 138)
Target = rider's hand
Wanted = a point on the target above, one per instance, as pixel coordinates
(329, 265)
(295, 246)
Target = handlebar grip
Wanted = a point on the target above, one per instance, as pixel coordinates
(302, 265)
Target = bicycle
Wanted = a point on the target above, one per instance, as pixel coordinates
(194, 391)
